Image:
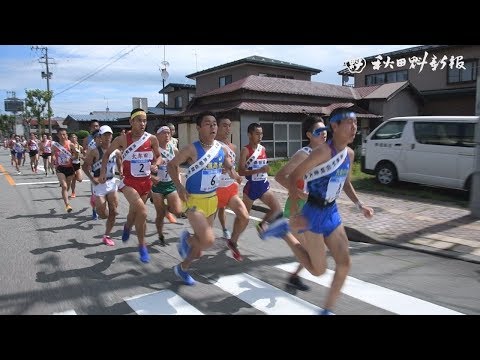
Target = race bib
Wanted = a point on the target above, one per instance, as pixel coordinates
(334, 188)
(210, 179)
(163, 174)
(257, 164)
(140, 163)
(63, 159)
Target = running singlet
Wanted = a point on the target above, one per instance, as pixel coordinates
(260, 162)
(139, 165)
(167, 155)
(225, 179)
(206, 180)
(330, 186)
(62, 158)
(32, 145)
(111, 165)
(47, 147)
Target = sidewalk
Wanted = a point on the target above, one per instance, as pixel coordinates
(420, 225)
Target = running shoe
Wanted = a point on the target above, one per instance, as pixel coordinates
(68, 208)
(94, 215)
(107, 240)
(172, 219)
(161, 238)
(296, 281)
(183, 247)
(126, 233)
(144, 257)
(182, 274)
(73, 196)
(235, 252)
(279, 228)
(326, 312)
(226, 234)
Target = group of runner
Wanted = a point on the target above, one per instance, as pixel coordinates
(148, 165)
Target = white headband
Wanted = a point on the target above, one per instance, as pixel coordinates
(163, 128)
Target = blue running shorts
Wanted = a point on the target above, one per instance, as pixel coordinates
(321, 220)
(255, 189)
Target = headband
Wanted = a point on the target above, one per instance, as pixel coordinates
(141, 112)
(341, 116)
(163, 128)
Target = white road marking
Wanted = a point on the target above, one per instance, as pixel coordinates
(378, 296)
(251, 217)
(265, 297)
(163, 302)
(68, 312)
(44, 182)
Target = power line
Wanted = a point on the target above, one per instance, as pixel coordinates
(86, 77)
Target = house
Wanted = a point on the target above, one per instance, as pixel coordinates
(280, 105)
(444, 75)
(82, 122)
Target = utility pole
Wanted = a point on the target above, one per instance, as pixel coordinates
(475, 189)
(47, 75)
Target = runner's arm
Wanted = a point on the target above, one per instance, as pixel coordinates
(242, 170)
(119, 141)
(92, 155)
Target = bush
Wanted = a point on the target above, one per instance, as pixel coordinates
(275, 166)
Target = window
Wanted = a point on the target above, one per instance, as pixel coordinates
(190, 96)
(390, 130)
(388, 77)
(444, 133)
(178, 102)
(224, 80)
(281, 139)
(461, 75)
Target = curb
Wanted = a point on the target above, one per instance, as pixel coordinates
(363, 235)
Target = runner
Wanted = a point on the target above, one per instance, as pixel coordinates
(227, 192)
(327, 171)
(140, 151)
(62, 157)
(46, 153)
(253, 165)
(78, 154)
(106, 199)
(164, 188)
(206, 158)
(310, 127)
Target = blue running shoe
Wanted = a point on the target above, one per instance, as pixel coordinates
(182, 274)
(279, 228)
(183, 247)
(326, 312)
(126, 233)
(144, 257)
(94, 215)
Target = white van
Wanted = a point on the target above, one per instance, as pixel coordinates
(429, 150)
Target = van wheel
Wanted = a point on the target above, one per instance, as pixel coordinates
(386, 174)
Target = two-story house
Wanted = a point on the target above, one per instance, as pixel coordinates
(444, 75)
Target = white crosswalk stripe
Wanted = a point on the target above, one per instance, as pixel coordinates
(381, 297)
(164, 302)
(272, 300)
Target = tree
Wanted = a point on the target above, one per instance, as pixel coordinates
(36, 107)
(7, 124)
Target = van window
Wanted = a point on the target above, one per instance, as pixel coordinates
(390, 130)
(444, 133)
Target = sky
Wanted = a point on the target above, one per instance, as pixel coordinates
(88, 78)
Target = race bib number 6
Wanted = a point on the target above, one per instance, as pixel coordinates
(210, 179)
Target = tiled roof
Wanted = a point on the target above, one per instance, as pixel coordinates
(175, 86)
(278, 108)
(257, 60)
(386, 91)
(286, 86)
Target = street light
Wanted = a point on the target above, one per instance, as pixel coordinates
(164, 77)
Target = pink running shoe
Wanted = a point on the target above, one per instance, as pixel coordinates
(107, 240)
